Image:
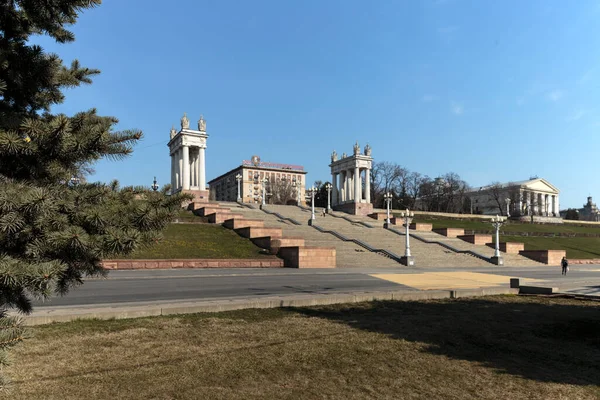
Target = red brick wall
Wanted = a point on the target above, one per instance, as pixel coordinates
(193, 263)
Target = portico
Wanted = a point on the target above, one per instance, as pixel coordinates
(351, 181)
(534, 197)
(187, 149)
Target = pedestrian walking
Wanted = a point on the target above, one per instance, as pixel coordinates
(324, 212)
(565, 265)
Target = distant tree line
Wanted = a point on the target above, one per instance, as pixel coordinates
(410, 189)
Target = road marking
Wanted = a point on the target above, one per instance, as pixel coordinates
(449, 280)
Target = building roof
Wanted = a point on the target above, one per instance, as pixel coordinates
(284, 168)
(526, 183)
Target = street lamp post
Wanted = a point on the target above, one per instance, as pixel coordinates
(387, 197)
(497, 222)
(154, 185)
(238, 177)
(507, 201)
(328, 187)
(312, 191)
(408, 259)
(264, 188)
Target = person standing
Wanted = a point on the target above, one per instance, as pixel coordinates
(565, 265)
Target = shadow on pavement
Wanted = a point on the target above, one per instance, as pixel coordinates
(545, 339)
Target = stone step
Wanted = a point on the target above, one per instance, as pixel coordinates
(508, 247)
(308, 256)
(205, 210)
(478, 239)
(273, 244)
(256, 232)
(220, 217)
(241, 222)
(450, 232)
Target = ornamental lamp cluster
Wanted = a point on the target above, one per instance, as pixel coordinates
(387, 197)
(311, 192)
(407, 214)
(498, 220)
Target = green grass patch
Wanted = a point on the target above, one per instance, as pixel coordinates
(508, 227)
(200, 241)
(576, 247)
(502, 347)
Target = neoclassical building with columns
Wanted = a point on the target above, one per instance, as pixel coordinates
(351, 181)
(188, 163)
(534, 197)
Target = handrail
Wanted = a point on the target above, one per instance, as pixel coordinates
(293, 221)
(385, 252)
(449, 247)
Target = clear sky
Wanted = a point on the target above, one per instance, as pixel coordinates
(491, 90)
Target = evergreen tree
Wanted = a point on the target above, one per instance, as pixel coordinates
(53, 231)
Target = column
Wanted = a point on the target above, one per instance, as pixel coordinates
(345, 186)
(520, 209)
(342, 194)
(357, 185)
(196, 172)
(556, 206)
(173, 174)
(179, 169)
(186, 168)
(350, 185)
(541, 208)
(201, 168)
(193, 168)
(333, 189)
(553, 205)
(368, 185)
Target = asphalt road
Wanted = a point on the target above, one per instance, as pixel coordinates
(126, 287)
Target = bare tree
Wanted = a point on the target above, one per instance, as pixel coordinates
(496, 191)
(281, 191)
(385, 177)
(413, 187)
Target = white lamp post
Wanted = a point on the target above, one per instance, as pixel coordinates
(311, 191)
(238, 178)
(507, 201)
(408, 259)
(154, 185)
(387, 197)
(328, 187)
(497, 222)
(264, 188)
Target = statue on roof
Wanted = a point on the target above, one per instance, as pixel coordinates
(367, 150)
(185, 122)
(173, 132)
(356, 149)
(344, 155)
(334, 156)
(201, 124)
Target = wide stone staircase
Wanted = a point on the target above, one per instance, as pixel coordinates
(372, 233)
(348, 254)
(359, 241)
(430, 249)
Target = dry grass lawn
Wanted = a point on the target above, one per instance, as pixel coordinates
(505, 347)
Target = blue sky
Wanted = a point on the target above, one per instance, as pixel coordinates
(494, 91)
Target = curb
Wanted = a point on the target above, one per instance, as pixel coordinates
(48, 315)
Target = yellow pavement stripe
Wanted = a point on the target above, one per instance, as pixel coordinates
(448, 280)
